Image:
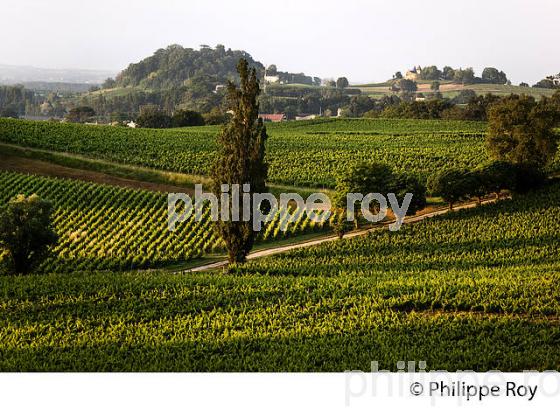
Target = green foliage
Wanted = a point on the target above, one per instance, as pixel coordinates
(153, 117)
(363, 178)
(342, 83)
(465, 76)
(408, 85)
(403, 184)
(26, 231)
(476, 289)
(240, 159)
(431, 109)
(550, 82)
(216, 117)
(186, 118)
(453, 185)
(491, 75)
(521, 131)
(170, 67)
(14, 99)
(81, 114)
(434, 86)
(497, 176)
(430, 73)
(528, 178)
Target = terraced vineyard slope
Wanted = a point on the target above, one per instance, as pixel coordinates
(104, 227)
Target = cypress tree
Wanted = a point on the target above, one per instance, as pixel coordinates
(240, 159)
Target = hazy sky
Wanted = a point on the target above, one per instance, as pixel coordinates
(365, 40)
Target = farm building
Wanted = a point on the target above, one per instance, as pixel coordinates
(272, 79)
(273, 117)
(305, 117)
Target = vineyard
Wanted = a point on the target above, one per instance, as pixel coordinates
(306, 153)
(103, 227)
(477, 289)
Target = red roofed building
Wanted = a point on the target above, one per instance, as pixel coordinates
(273, 117)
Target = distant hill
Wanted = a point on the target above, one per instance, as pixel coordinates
(176, 66)
(176, 77)
(13, 74)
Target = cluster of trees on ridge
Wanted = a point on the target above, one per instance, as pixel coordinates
(490, 75)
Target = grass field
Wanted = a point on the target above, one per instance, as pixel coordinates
(477, 289)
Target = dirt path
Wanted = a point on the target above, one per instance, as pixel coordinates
(38, 167)
(282, 249)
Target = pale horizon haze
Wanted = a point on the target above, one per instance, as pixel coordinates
(367, 41)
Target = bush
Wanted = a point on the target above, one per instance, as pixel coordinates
(153, 119)
(216, 117)
(405, 183)
(186, 118)
(26, 232)
(80, 114)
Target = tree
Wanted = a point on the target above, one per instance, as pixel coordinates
(403, 184)
(359, 105)
(240, 158)
(272, 70)
(26, 231)
(80, 114)
(435, 86)
(464, 96)
(8, 113)
(342, 83)
(448, 73)
(186, 118)
(430, 73)
(452, 185)
(153, 117)
(465, 76)
(521, 131)
(551, 82)
(408, 85)
(216, 117)
(109, 83)
(497, 176)
(363, 178)
(398, 76)
(523, 85)
(493, 76)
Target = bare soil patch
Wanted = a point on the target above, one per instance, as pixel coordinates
(37, 167)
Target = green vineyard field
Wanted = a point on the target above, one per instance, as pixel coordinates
(103, 227)
(473, 290)
(302, 153)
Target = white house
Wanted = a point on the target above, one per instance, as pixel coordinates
(272, 79)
